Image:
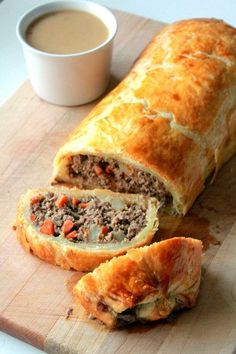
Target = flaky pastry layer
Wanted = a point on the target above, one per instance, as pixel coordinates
(146, 284)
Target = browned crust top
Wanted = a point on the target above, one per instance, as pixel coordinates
(170, 112)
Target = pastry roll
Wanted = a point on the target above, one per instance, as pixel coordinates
(146, 284)
(80, 229)
(168, 126)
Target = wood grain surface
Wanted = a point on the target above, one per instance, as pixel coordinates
(35, 297)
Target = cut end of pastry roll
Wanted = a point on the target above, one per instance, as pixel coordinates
(80, 229)
(146, 284)
(122, 175)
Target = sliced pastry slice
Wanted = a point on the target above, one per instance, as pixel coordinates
(80, 229)
(146, 284)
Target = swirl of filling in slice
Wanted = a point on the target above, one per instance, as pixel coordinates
(87, 219)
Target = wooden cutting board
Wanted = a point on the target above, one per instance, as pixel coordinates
(35, 297)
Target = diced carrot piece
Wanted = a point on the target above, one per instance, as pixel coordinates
(104, 230)
(61, 201)
(36, 199)
(71, 235)
(108, 170)
(33, 217)
(75, 201)
(98, 170)
(83, 205)
(67, 226)
(47, 227)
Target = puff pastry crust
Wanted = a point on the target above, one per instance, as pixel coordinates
(174, 115)
(146, 284)
(80, 256)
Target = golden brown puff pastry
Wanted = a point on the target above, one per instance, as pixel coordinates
(146, 284)
(71, 228)
(168, 125)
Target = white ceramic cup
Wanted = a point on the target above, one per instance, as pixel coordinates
(69, 79)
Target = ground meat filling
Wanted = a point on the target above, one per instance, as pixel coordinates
(87, 219)
(93, 171)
